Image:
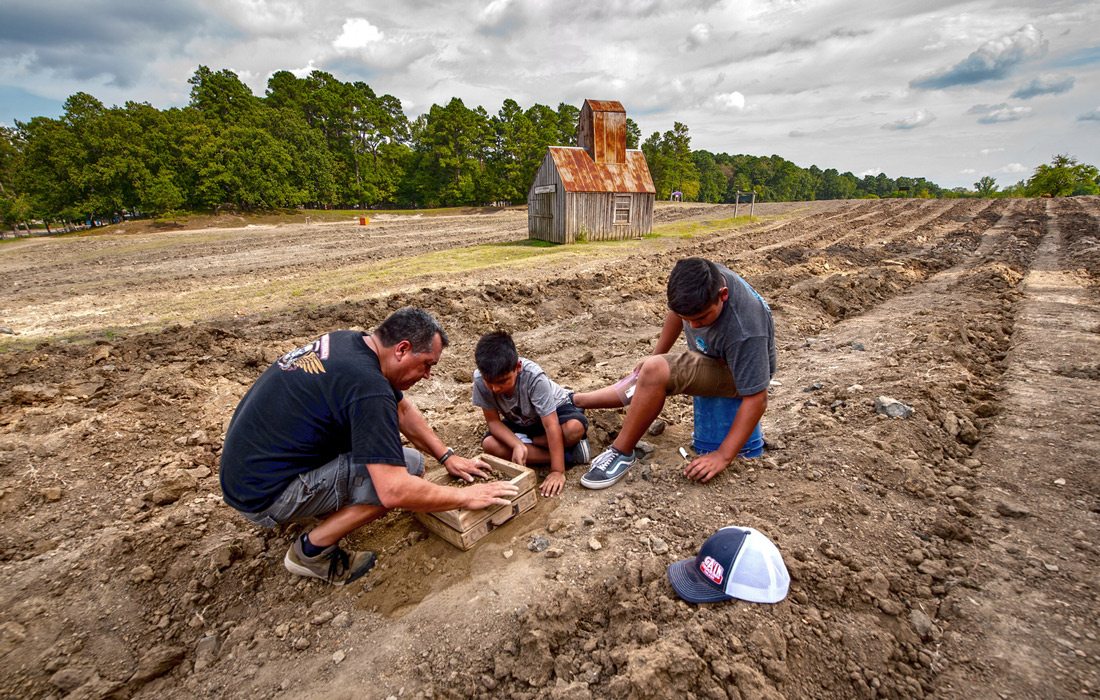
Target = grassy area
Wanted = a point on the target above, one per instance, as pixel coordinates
(691, 229)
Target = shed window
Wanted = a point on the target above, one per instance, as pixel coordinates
(622, 209)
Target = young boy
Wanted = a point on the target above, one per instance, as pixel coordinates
(731, 352)
(531, 419)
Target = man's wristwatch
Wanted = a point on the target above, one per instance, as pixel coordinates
(442, 459)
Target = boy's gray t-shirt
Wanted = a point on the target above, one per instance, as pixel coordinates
(743, 336)
(535, 396)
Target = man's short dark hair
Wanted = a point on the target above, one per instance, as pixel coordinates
(495, 355)
(693, 285)
(412, 324)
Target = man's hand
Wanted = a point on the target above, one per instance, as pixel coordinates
(488, 494)
(465, 469)
(552, 484)
(519, 454)
(705, 467)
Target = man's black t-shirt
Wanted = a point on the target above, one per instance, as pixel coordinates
(315, 403)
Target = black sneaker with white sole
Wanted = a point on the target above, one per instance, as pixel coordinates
(607, 469)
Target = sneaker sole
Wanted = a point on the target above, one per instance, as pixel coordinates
(606, 483)
(296, 568)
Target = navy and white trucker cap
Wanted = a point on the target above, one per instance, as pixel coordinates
(735, 562)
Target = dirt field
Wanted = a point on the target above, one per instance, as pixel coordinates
(951, 554)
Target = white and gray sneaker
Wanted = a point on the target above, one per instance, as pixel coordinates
(607, 469)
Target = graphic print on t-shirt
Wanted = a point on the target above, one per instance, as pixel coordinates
(306, 358)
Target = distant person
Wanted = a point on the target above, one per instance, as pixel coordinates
(731, 352)
(531, 419)
(319, 436)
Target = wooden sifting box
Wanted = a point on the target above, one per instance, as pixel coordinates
(464, 528)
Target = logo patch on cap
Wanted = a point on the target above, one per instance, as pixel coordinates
(712, 570)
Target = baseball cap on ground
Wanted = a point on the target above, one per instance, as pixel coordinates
(735, 562)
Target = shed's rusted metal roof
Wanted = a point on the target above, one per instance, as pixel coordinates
(606, 106)
(579, 173)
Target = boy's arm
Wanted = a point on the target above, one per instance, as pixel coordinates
(506, 437)
(705, 467)
(670, 331)
(555, 445)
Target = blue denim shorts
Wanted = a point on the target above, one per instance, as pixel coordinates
(326, 490)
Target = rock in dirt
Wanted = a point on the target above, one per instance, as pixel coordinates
(657, 428)
(922, 625)
(12, 635)
(892, 407)
(52, 493)
(156, 662)
(342, 620)
(34, 393)
(538, 544)
(1010, 509)
(657, 545)
(206, 651)
(594, 544)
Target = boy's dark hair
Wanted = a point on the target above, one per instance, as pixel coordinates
(693, 285)
(412, 324)
(495, 355)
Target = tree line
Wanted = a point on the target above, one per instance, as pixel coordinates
(318, 142)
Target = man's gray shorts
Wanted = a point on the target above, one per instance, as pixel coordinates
(327, 489)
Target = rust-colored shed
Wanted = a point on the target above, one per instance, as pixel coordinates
(598, 190)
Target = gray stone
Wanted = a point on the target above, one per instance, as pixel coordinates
(538, 543)
(892, 407)
(206, 651)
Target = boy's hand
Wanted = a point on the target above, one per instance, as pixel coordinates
(465, 469)
(552, 484)
(519, 454)
(705, 467)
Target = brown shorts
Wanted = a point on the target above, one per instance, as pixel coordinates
(695, 374)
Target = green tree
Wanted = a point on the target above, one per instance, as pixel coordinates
(633, 133)
(1063, 177)
(452, 144)
(986, 186)
(568, 116)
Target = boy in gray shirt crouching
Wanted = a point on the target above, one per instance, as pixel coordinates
(531, 419)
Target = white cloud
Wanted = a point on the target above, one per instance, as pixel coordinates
(988, 151)
(996, 114)
(358, 33)
(1090, 116)
(1013, 169)
(730, 101)
(915, 121)
(1047, 84)
(698, 36)
(992, 61)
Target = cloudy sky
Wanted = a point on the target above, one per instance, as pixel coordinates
(950, 91)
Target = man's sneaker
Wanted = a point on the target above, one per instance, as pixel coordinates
(607, 469)
(581, 453)
(333, 564)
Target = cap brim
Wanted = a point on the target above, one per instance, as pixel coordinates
(690, 585)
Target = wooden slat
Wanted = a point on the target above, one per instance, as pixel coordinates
(461, 519)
